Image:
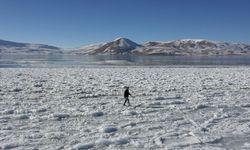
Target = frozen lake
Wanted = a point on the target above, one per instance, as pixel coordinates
(81, 60)
(82, 108)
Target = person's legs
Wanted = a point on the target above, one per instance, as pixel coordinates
(126, 99)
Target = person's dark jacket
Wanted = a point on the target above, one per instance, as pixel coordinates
(126, 93)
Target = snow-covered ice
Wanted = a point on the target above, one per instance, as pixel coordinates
(82, 108)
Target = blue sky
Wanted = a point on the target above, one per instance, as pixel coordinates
(73, 23)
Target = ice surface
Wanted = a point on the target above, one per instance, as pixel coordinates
(82, 108)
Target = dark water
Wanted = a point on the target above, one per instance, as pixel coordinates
(78, 61)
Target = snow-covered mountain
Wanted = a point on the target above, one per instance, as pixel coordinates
(9, 47)
(193, 47)
(125, 46)
(118, 46)
(176, 47)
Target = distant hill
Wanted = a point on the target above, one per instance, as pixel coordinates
(9, 47)
(121, 46)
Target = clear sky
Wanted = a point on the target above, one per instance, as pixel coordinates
(73, 23)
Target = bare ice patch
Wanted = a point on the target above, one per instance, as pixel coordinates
(108, 129)
(97, 114)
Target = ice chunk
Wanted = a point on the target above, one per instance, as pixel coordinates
(60, 116)
(83, 146)
(201, 106)
(8, 111)
(55, 135)
(22, 116)
(41, 110)
(10, 146)
(130, 124)
(177, 102)
(160, 98)
(108, 129)
(97, 114)
(245, 105)
(129, 113)
(17, 90)
(103, 142)
(7, 128)
(121, 141)
(246, 145)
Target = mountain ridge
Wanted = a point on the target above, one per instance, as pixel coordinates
(122, 46)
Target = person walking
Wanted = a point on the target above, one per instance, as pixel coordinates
(126, 95)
